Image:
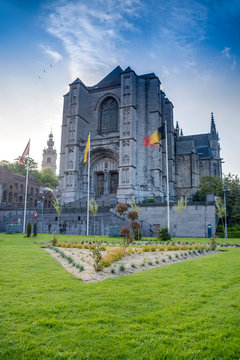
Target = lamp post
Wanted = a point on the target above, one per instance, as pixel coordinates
(42, 211)
(225, 209)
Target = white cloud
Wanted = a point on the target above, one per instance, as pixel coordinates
(91, 33)
(226, 52)
(52, 53)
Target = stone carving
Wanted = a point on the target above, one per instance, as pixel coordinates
(125, 159)
(125, 176)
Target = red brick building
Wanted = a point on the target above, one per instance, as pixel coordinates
(12, 189)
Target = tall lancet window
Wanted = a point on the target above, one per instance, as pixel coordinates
(109, 116)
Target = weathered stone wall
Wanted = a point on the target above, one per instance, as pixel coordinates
(193, 222)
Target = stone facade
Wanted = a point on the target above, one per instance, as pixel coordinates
(119, 112)
(49, 157)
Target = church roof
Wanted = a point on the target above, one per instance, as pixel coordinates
(77, 81)
(128, 69)
(194, 143)
(112, 79)
(148, 76)
(199, 139)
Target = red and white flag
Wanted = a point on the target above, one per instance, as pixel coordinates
(25, 153)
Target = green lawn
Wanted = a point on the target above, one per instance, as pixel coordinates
(188, 310)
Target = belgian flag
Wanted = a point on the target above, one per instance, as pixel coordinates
(155, 137)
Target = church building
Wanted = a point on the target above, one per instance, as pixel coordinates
(119, 112)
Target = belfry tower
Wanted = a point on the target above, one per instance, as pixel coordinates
(50, 155)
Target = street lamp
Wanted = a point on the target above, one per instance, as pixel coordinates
(42, 211)
(225, 209)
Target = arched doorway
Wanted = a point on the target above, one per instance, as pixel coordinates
(104, 172)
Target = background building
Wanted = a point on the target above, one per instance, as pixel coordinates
(49, 157)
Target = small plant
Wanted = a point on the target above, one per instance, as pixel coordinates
(132, 215)
(98, 260)
(163, 260)
(121, 208)
(125, 233)
(157, 262)
(163, 234)
(113, 271)
(54, 240)
(185, 254)
(149, 262)
(29, 229)
(170, 257)
(143, 264)
(133, 266)
(121, 267)
(176, 256)
(34, 229)
(213, 243)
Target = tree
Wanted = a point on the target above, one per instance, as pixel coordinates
(210, 184)
(46, 177)
(220, 209)
(57, 207)
(213, 184)
(93, 207)
(180, 206)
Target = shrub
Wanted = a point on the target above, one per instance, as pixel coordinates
(98, 260)
(125, 232)
(121, 267)
(163, 234)
(112, 271)
(137, 235)
(54, 240)
(213, 243)
(121, 208)
(149, 201)
(29, 229)
(133, 266)
(132, 215)
(149, 263)
(163, 260)
(170, 257)
(35, 229)
(157, 262)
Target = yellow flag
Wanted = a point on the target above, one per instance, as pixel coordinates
(86, 150)
(154, 138)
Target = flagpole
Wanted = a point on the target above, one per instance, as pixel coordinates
(88, 187)
(168, 215)
(25, 201)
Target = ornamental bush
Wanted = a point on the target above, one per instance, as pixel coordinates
(132, 215)
(121, 208)
(29, 229)
(35, 229)
(163, 234)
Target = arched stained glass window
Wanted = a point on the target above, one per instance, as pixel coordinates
(109, 116)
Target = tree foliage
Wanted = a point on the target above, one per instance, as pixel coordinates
(180, 206)
(46, 177)
(213, 184)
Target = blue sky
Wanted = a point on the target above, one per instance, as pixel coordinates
(193, 46)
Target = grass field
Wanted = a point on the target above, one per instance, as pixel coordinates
(188, 310)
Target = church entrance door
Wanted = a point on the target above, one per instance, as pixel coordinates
(113, 182)
(100, 184)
